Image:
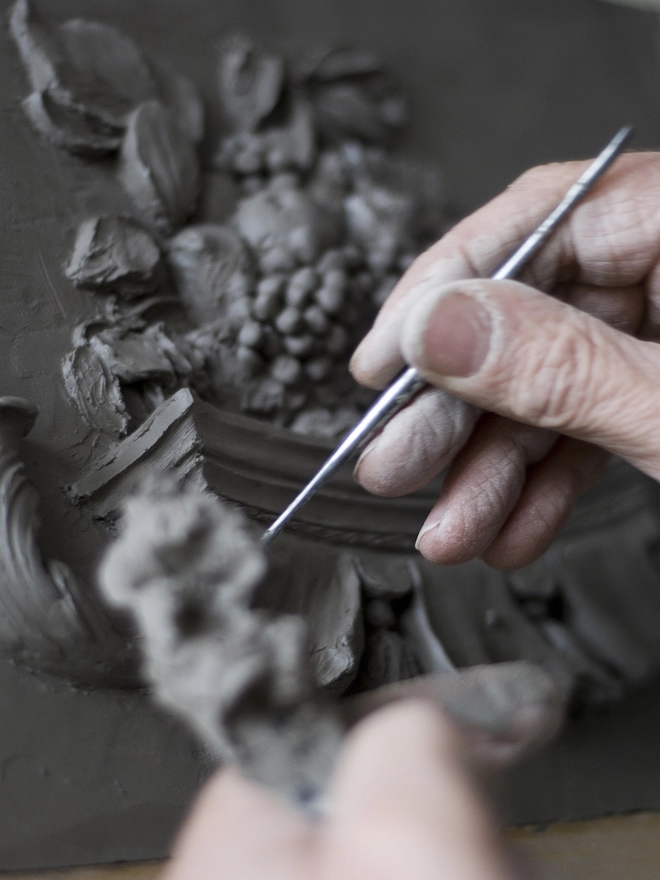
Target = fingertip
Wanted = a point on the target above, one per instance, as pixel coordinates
(428, 543)
(441, 544)
(416, 445)
(374, 475)
(523, 542)
(388, 468)
(405, 801)
(539, 516)
(427, 540)
(218, 791)
(413, 729)
(226, 799)
(355, 365)
(226, 805)
(241, 829)
(376, 361)
(466, 519)
(228, 785)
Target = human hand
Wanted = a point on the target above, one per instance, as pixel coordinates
(543, 366)
(404, 800)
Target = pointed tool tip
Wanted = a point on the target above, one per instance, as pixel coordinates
(625, 134)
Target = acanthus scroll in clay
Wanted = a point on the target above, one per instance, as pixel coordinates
(47, 621)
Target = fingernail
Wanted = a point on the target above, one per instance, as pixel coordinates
(365, 452)
(455, 339)
(352, 364)
(432, 523)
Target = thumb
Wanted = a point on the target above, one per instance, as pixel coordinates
(518, 352)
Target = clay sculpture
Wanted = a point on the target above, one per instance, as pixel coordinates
(222, 292)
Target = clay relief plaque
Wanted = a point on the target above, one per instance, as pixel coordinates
(179, 332)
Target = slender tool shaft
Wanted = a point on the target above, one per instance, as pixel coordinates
(409, 382)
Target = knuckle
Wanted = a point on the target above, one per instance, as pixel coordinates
(566, 380)
(542, 175)
(534, 175)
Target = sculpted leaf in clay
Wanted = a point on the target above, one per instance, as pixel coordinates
(69, 127)
(136, 355)
(339, 632)
(180, 96)
(115, 254)
(106, 72)
(329, 598)
(40, 51)
(344, 111)
(388, 659)
(158, 167)
(47, 619)
(87, 78)
(116, 361)
(387, 580)
(95, 391)
(251, 82)
(204, 260)
(292, 145)
(50, 108)
(286, 141)
(340, 62)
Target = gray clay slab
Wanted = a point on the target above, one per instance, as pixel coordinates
(88, 777)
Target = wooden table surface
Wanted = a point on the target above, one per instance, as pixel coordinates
(604, 849)
(615, 848)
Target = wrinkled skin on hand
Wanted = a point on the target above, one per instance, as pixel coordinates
(532, 391)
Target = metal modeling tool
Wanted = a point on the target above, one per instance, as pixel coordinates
(409, 382)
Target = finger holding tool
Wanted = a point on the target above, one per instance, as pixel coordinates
(409, 383)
